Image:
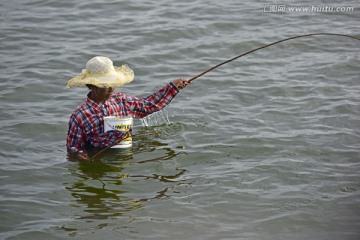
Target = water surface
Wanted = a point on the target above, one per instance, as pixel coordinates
(266, 147)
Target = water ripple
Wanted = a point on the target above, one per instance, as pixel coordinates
(264, 147)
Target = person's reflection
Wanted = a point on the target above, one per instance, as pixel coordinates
(98, 187)
(98, 184)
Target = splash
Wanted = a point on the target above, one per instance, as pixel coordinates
(155, 119)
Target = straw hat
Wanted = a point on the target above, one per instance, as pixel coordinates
(101, 72)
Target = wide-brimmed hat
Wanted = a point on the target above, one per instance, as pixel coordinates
(101, 72)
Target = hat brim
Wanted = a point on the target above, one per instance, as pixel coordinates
(120, 76)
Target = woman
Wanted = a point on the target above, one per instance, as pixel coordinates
(86, 124)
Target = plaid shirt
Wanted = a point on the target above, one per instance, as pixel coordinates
(86, 125)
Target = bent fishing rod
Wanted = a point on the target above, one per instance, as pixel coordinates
(239, 56)
(268, 45)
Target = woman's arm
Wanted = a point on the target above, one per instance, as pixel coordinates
(141, 107)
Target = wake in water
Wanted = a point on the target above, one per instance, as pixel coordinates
(156, 118)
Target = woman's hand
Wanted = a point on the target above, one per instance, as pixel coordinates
(82, 155)
(180, 83)
(77, 155)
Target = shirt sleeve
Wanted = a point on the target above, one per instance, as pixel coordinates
(108, 138)
(75, 139)
(141, 107)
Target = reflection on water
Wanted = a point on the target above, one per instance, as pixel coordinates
(168, 134)
(98, 188)
(121, 180)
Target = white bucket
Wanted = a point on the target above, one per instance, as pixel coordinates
(122, 124)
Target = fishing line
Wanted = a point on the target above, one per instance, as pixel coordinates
(268, 45)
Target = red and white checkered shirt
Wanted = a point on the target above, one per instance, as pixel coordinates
(86, 125)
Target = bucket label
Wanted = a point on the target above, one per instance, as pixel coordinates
(119, 124)
(122, 127)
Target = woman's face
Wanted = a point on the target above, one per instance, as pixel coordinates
(101, 94)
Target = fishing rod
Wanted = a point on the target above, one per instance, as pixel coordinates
(268, 45)
(108, 147)
(103, 150)
(239, 56)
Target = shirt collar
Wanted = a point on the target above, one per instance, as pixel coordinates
(92, 103)
(95, 104)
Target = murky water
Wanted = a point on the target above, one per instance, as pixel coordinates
(266, 147)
